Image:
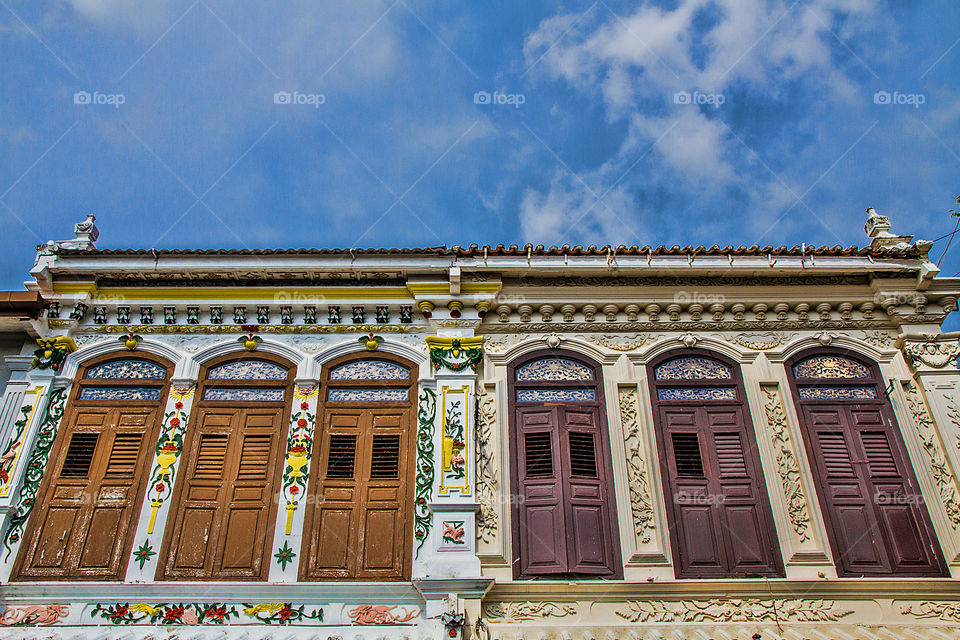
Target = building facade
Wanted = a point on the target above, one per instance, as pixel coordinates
(493, 443)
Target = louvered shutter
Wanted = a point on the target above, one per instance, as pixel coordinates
(543, 527)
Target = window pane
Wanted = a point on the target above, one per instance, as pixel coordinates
(538, 455)
(247, 370)
(120, 393)
(837, 393)
(367, 395)
(693, 368)
(556, 395)
(341, 456)
(830, 366)
(686, 455)
(79, 456)
(583, 455)
(554, 369)
(698, 393)
(370, 370)
(127, 370)
(243, 395)
(385, 457)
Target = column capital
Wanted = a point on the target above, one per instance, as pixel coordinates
(929, 350)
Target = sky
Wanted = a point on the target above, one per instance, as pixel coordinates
(209, 124)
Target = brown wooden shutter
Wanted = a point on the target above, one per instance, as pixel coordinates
(226, 506)
(88, 507)
(357, 529)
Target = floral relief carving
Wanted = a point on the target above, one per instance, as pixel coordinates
(759, 341)
(947, 611)
(627, 342)
(787, 465)
(33, 615)
(939, 468)
(640, 501)
(879, 339)
(931, 353)
(735, 610)
(520, 611)
(488, 484)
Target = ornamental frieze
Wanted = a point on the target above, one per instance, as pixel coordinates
(526, 611)
(947, 611)
(238, 328)
(680, 326)
(934, 352)
(759, 341)
(732, 610)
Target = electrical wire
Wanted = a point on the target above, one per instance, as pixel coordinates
(955, 227)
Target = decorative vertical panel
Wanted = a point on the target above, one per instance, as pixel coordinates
(787, 466)
(488, 484)
(299, 445)
(943, 477)
(640, 500)
(426, 415)
(169, 447)
(36, 464)
(455, 428)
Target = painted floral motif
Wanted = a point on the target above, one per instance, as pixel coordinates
(127, 370)
(830, 366)
(36, 463)
(693, 368)
(382, 614)
(166, 613)
(247, 370)
(299, 448)
(556, 395)
(143, 553)
(837, 393)
(34, 615)
(243, 395)
(426, 415)
(453, 442)
(455, 354)
(133, 394)
(367, 395)
(285, 555)
(700, 394)
(553, 369)
(169, 446)
(281, 613)
(53, 352)
(370, 370)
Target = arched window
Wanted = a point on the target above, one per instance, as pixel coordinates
(872, 504)
(223, 513)
(564, 518)
(90, 496)
(360, 525)
(720, 519)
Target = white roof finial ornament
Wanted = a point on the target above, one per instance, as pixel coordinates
(86, 232)
(878, 228)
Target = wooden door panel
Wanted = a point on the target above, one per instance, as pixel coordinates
(191, 554)
(333, 531)
(589, 548)
(697, 531)
(99, 550)
(544, 539)
(240, 545)
(746, 545)
(380, 544)
(908, 546)
(54, 535)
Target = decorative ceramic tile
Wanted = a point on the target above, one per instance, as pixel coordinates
(693, 368)
(830, 366)
(127, 370)
(698, 393)
(554, 369)
(837, 393)
(247, 370)
(556, 395)
(367, 395)
(243, 395)
(120, 393)
(370, 370)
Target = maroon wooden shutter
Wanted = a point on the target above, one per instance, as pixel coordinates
(868, 490)
(716, 494)
(542, 525)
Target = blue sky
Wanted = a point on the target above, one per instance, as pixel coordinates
(683, 122)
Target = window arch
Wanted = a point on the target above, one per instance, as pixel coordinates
(90, 496)
(361, 524)
(223, 512)
(716, 497)
(872, 505)
(565, 525)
